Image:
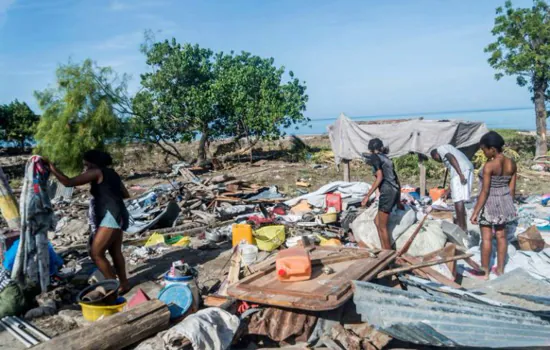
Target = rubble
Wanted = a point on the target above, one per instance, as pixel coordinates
(349, 302)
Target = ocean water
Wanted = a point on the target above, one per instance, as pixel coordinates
(508, 118)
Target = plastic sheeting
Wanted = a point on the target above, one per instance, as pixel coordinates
(346, 189)
(350, 139)
(208, 329)
(537, 264)
(429, 239)
(364, 229)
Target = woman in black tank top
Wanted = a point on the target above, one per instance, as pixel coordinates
(388, 185)
(112, 218)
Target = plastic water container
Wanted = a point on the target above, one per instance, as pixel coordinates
(240, 232)
(436, 193)
(189, 281)
(249, 253)
(293, 264)
(334, 200)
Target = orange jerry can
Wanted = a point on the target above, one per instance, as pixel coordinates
(293, 264)
(436, 193)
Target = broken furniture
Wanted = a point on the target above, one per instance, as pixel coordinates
(322, 291)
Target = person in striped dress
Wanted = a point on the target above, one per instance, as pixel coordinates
(495, 206)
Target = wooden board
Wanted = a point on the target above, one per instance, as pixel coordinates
(322, 291)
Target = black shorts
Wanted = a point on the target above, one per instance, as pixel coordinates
(389, 197)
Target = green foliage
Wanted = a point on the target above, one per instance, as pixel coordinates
(522, 49)
(407, 166)
(17, 122)
(80, 114)
(256, 103)
(479, 158)
(299, 151)
(177, 100)
(191, 91)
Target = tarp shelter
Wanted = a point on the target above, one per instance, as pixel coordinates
(349, 139)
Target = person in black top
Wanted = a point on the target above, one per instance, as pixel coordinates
(108, 194)
(388, 185)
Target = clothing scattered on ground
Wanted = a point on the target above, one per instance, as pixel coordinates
(463, 161)
(108, 198)
(32, 262)
(499, 208)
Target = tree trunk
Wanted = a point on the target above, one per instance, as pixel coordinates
(202, 147)
(540, 111)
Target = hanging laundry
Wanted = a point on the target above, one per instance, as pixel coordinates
(32, 262)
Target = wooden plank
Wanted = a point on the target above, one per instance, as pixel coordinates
(114, 332)
(337, 295)
(347, 174)
(234, 270)
(408, 243)
(422, 168)
(422, 264)
(433, 273)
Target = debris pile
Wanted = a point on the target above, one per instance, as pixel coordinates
(305, 271)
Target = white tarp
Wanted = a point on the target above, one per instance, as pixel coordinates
(347, 189)
(350, 139)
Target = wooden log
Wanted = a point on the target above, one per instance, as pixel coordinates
(422, 264)
(115, 332)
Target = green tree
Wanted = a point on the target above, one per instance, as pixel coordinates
(176, 102)
(191, 91)
(256, 101)
(80, 113)
(20, 123)
(17, 123)
(522, 49)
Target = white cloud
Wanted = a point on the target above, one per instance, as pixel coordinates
(119, 5)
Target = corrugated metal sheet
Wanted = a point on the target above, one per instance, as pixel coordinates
(447, 321)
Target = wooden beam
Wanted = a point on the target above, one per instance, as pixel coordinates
(422, 264)
(422, 168)
(115, 332)
(347, 174)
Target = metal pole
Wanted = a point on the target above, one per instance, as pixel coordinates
(35, 330)
(16, 335)
(21, 332)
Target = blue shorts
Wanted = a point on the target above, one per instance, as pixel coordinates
(109, 221)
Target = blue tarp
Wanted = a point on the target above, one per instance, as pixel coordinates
(55, 260)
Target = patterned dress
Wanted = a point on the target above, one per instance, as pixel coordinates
(499, 208)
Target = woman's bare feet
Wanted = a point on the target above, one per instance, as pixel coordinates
(124, 288)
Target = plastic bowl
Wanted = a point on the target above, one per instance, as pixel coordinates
(93, 312)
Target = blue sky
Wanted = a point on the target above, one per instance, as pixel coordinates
(366, 57)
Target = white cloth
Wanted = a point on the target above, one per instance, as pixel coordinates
(356, 190)
(208, 329)
(460, 192)
(463, 161)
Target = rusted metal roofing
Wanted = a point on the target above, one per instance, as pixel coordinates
(447, 321)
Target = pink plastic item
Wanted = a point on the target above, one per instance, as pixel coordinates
(139, 298)
(334, 200)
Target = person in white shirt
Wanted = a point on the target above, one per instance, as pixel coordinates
(462, 178)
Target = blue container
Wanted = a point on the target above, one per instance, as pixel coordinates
(178, 297)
